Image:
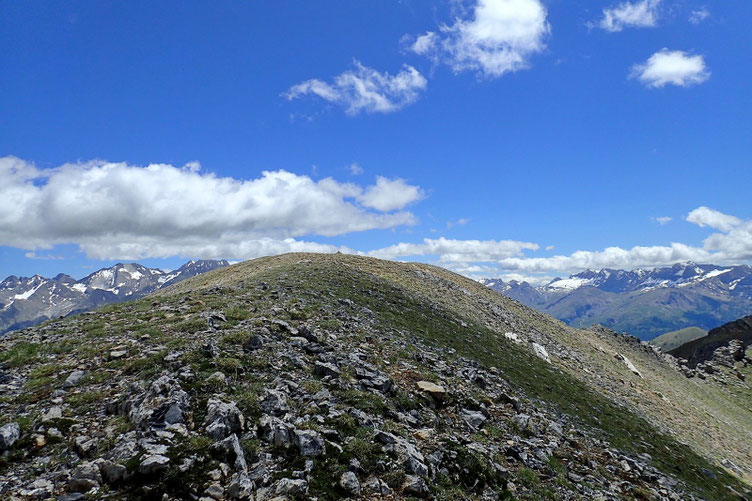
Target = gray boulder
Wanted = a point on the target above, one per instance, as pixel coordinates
(85, 477)
(163, 403)
(223, 419)
(291, 487)
(349, 482)
(309, 443)
(73, 379)
(275, 403)
(231, 451)
(153, 464)
(9, 433)
(275, 431)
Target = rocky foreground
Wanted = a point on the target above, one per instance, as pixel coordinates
(304, 377)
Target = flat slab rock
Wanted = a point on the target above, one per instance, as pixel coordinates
(430, 388)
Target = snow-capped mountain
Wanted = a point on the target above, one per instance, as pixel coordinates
(29, 301)
(645, 303)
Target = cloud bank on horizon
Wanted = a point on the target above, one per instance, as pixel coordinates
(117, 211)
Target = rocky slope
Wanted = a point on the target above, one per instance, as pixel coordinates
(644, 303)
(703, 349)
(331, 376)
(29, 301)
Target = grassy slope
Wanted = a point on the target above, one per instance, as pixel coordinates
(714, 423)
(674, 339)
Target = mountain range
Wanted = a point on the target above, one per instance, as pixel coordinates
(644, 303)
(26, 301)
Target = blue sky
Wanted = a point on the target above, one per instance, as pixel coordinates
(520, 138)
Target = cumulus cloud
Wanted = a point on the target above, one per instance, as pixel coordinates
(389, 194)
(500, 37)
(674, 67)
(705, 216)
(664, 220)
(116, 210)
(699, 15)
(365, 89)
(642, 14)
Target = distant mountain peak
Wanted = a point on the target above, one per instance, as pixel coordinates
(28, 301)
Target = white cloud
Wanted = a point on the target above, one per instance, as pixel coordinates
(534, 280)
(389, 194)
(671, 67)
(664, 220)
(641, 14)
(119, 211)
(699, 15)
(365, 89)
(612, 257)
(355, 169)
(457, 251)
(500, 38)
(705, 216)
(506, 258)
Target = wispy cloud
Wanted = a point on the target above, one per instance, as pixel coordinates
(43, 257)
(671, 67)
(641, 14)
(365, 89)
(500, 37)
(699, 15)
(663, 220)
(459, 222)
(355, 169)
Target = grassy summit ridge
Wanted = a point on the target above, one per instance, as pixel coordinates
(372, 320)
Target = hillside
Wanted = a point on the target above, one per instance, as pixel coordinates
(674, 339)
(644, 303)
(702, 349)
(334, 376)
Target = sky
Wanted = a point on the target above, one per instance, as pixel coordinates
(522, 139)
